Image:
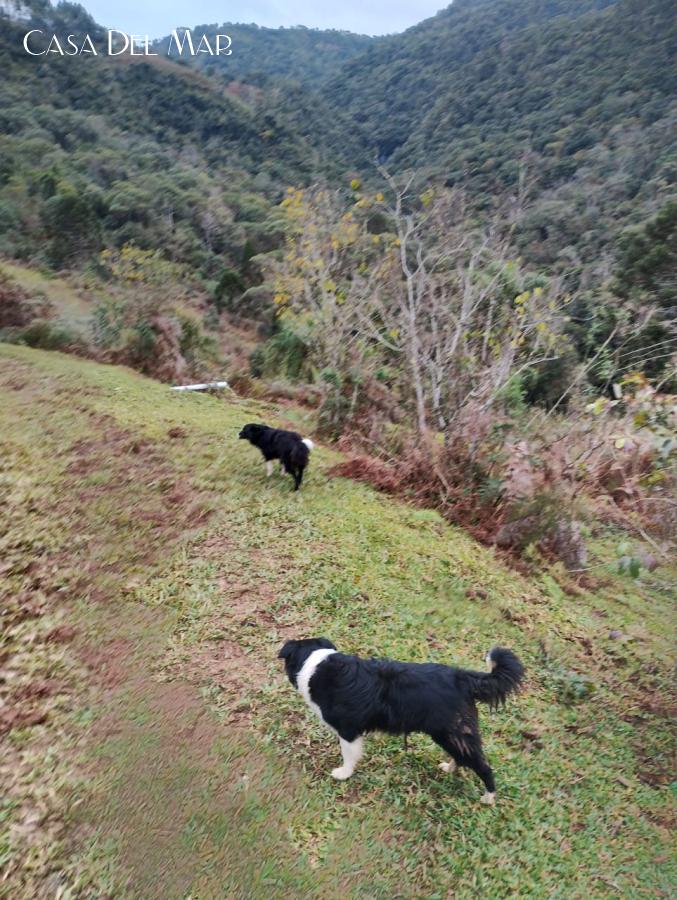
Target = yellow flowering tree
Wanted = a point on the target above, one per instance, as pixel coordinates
(325, 275)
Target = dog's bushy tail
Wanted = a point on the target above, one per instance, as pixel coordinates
(505, 677)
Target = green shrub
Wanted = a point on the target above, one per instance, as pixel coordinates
(108, 317)
(229, 286)
(45, 335)
(197, 347)
(512, 395)
(72, 227)
(546, 383)
(285, 354)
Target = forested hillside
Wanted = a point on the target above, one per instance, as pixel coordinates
(576, 97)
(541, 133)
(393, 86)
(571, 105)
(261, 55)
(581, 94)
(102, 152)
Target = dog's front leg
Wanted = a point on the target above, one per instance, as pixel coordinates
(269, 468)
(352, 751)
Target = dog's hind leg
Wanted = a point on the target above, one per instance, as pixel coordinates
(447, 743)
(467, 752)
(479, 765)
(269, 468)
(352, 752)
(283, 471)
(298, 478)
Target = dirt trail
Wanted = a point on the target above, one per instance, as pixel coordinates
(156, 765)
(160, 776)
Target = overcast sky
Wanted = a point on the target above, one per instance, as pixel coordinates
(157, 17)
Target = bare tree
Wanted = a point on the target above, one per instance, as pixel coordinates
(439, 295)
(450, 299)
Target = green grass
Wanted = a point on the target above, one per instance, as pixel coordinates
(583, 806)
(71, 304)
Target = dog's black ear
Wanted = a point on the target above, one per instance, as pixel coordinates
(286, 650)
(326, 644)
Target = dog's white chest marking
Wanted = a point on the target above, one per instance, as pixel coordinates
(306, 673)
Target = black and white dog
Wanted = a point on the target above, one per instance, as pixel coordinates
(290, 448)
(354, 696)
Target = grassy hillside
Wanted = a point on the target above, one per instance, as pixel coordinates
(150, 574)
(71, 304)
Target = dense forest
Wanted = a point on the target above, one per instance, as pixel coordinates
(263, 55)
(575, 98)
(101, 152)
(580, 96)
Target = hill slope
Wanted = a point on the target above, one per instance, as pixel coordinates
(393, 86)
(151, 573)
(103, 151)
(582, 94)
(307, 55)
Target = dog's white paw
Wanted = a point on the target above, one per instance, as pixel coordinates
(448, 766)
(341, 773)
(488, 799)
